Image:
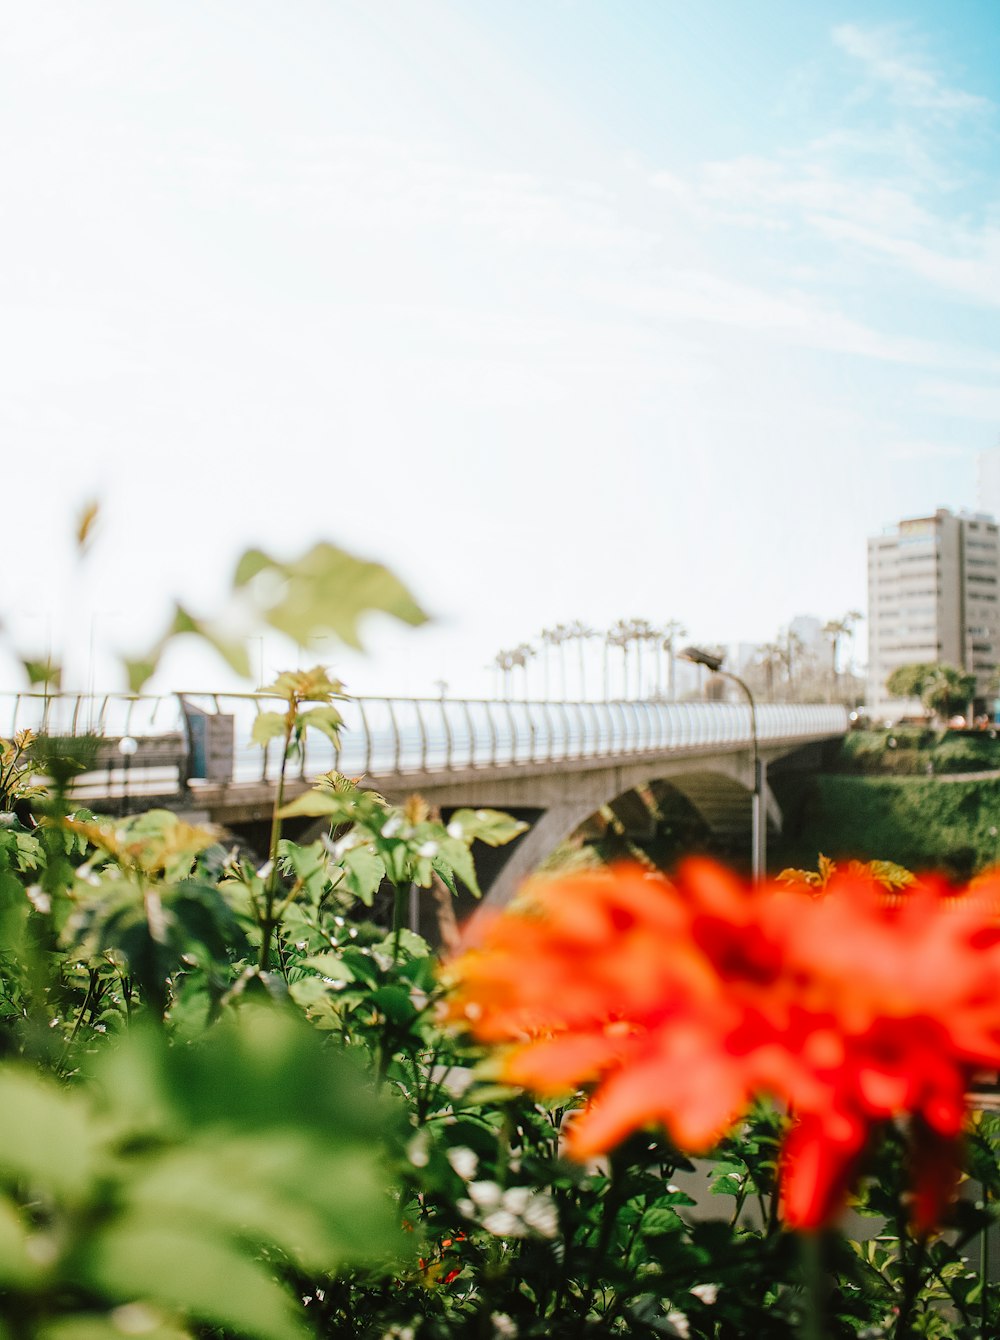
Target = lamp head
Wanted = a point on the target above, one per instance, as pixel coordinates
(699, 657)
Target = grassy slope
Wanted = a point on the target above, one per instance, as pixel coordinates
(922, 823)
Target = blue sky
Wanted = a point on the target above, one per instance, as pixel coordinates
(563, 308)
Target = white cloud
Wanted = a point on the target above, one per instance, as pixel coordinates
(964, 400)
(910, 82)
(789, 317)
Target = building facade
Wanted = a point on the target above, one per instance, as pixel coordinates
(933, 587)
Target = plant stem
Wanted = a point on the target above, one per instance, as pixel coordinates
(398, 917)
(271, 885)
(911, 1285)
(814, 1277)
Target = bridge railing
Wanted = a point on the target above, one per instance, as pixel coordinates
(211, 733)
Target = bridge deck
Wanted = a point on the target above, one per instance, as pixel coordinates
(200, 744)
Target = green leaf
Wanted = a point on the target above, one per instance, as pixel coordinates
(45, 1134)
(364, 871)
(325, 592)
(395, 1003)
(181, 1266)
(457, 856)
(233, 651)
(330, 965)
(661, 1219)
(317, 803)
(140, 671)
(16, 1266)
(267, 726)
(43, 672)
(490, 826)
(325, 719)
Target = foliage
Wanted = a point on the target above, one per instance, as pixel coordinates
(943, 689)
(927, 823)
(230, 1104)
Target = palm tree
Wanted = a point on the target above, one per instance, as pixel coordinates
(504, 663)
(620, 635)
(793, 647)
(580, 633)
(520, 657)
(550, 638)
(670, 631)
(835, 629)
(643, 634)
(771, 655)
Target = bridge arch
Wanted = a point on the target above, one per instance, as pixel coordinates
(719, 789)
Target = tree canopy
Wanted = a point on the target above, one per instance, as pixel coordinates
(943, 689)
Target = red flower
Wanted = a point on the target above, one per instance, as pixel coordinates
(676, 1002)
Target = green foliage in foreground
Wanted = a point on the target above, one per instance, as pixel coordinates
(227, 1107)
(197, 1141)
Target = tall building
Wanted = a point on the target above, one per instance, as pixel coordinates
(933, 586)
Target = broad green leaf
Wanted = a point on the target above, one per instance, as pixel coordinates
(330, 965)
(267, 726)
(364, 871)
(145, 1321)
(490, 826)
(326, 591)
(311, 1196)
(315, 804)
(411, 944)
(325, 719)
(459, 858)
(140, 671)
(43, 672)
(47, 1137)
(16, 1266)
(661, 1219)
(232, 650)
(176, 1263)
(395, 1003)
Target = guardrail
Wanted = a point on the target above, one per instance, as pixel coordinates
(206, 736)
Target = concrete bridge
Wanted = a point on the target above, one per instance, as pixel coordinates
(555, 764)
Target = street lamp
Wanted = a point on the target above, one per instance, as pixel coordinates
(758, 825)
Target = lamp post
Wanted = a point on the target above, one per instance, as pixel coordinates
(758, 825)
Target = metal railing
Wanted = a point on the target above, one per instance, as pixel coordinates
(392, 736)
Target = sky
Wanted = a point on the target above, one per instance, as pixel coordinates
(562, 309)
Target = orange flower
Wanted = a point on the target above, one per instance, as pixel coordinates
(674, 1003)
(622, 981)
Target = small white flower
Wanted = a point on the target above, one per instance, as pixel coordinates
(504, 1327)
(455, 830)
(464, 1161)
(708, 1293)
(38, 898)
(416, 1150)
(678, 1324)
(516, 1198)
(428, 849)
(540, 1214)
(392, 826)
(265, 870)
(41, 1249)
(487, 1195)
(503, 1224)
(135, 1319)
(343, 845)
